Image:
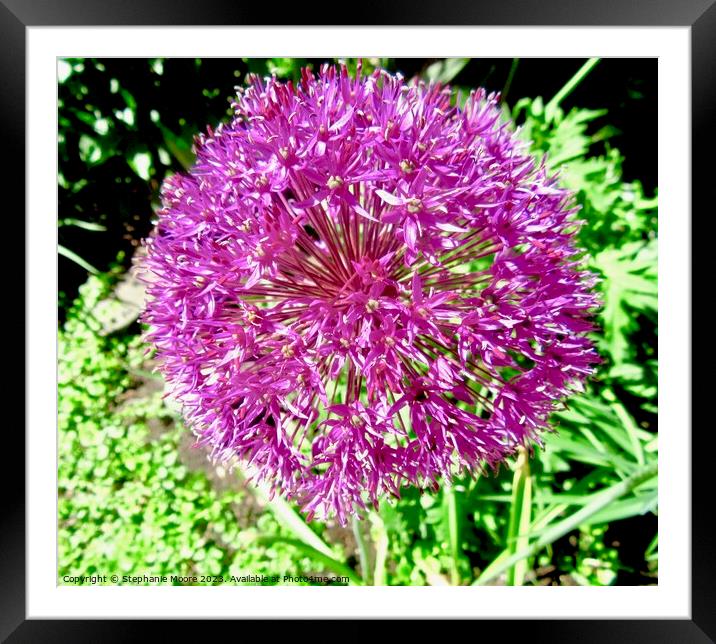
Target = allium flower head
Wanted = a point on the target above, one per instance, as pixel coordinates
(360, 286)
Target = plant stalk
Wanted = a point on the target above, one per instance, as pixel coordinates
(362, 549)
(571, 84)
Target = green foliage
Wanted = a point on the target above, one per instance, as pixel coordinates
(128, 503)
(619, 233)
(614, 212)
(630, 297)
(595, 563)
(444, 71)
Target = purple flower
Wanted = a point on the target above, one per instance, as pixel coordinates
(360, 286)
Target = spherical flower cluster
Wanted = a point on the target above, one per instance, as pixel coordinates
(361, 286)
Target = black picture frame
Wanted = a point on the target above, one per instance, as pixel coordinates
(700, 15)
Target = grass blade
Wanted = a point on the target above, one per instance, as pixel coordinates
(66, 252)
(85, 225)
(588, 453)
(494, 569)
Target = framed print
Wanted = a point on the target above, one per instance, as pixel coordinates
(360, 321)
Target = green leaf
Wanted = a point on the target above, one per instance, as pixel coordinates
(90, 151)
(85, 225)
(628, 423)
(586, 413)
(569, 139)
(630, 285)
(291, 520)
(141, 163)
(445, 70)
(333, 564)
(584, 452)
(179, 146)
(66, 252)
(285, 67)
(64, 70)
(625, 508)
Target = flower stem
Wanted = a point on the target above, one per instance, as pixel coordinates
(381, 542)
(571, 84)
(453, 532)
(510, 77)
(362, 549)
(520, 517)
